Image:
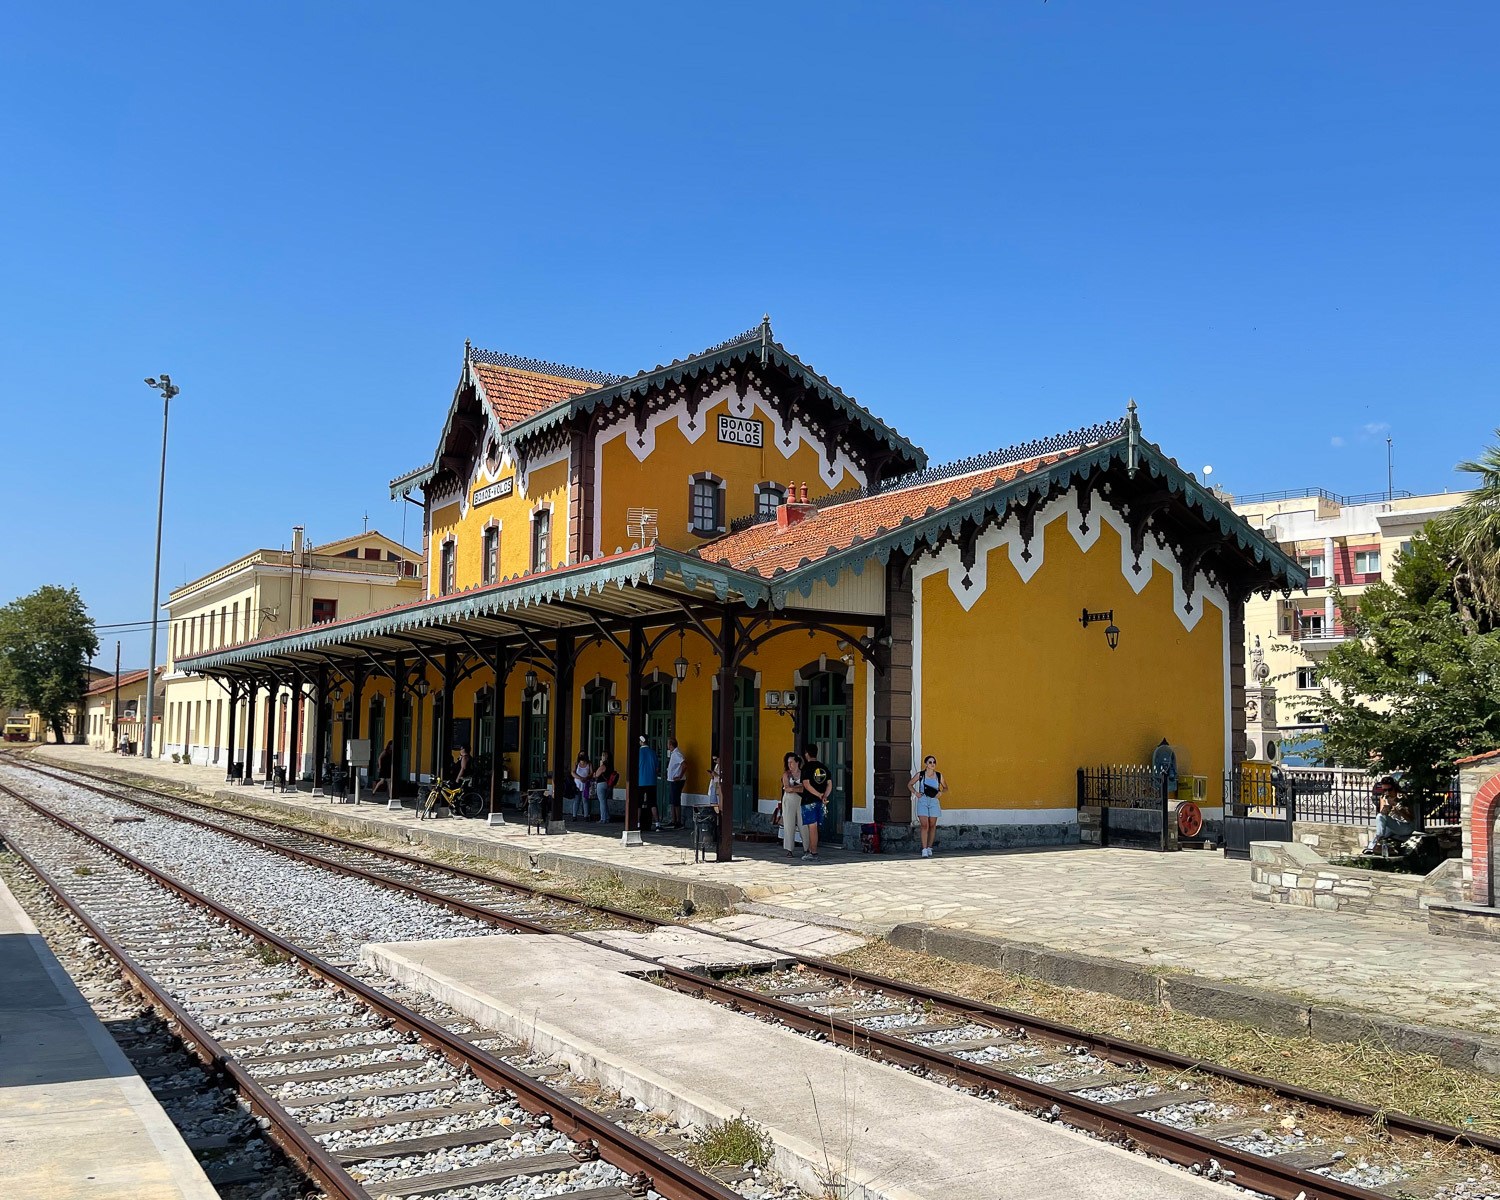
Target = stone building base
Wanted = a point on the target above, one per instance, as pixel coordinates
(905, 839)
(1295, 874)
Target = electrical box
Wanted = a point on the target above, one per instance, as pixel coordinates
(357, 752)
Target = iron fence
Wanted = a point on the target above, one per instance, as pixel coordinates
(1124, 794)
(1127, 785)
(1326, 796)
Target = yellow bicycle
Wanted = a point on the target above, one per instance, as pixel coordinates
(459, 796)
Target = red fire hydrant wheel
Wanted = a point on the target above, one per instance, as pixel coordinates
(1189, 819)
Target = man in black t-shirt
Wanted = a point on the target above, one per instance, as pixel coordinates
(817, 786)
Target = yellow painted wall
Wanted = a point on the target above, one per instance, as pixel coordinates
(1016, 695)
(548, 483)
(777, 662)
(661, 480)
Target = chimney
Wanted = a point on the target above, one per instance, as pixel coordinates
(296, 539)
(794, 508)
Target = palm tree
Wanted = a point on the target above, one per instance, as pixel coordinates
(1473, 533)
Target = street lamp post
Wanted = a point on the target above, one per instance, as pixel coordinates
(167, 389)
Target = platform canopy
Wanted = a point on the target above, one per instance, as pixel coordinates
(602, 597)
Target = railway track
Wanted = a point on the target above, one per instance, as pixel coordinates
(1256, 1132)
(343, 1075)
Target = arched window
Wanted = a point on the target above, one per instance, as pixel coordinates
(768, 498)
(491, 557)
(705, 505)
(541, 539)
(447, 581)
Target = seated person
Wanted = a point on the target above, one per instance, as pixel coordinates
(1393, 818)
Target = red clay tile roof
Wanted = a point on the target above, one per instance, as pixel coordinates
(767, 548)
(515, 394)
(107, 684)
(1474, 758)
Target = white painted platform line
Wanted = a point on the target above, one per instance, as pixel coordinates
(891, 1135)
(75, 1119)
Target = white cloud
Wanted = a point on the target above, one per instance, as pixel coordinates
(1376, 428)
(1335, 441)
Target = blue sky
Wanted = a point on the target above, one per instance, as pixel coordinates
(1271, 224)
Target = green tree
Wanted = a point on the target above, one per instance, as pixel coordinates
(46, 642)
(1417, 686)
(1472, 533)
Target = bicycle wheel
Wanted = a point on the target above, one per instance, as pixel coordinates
(471, 804)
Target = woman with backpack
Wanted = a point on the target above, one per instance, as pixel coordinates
(926, 786)
(605, 779)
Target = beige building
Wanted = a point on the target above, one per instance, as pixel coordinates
(103, 728)
(265, 593)
(1342, 542)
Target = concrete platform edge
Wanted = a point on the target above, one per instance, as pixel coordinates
(792, 1158)
(1271, 1011)
(186, 1174)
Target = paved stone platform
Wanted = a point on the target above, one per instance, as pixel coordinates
(893, 1135)
(75, 1118)
(1187, 912)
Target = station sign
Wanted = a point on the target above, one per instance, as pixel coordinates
(495, 491)
(741, 431)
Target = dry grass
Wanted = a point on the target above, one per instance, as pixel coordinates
(1365, 1072)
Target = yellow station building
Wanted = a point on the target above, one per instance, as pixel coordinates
(610, 556)
(115, 711)
(259, 595)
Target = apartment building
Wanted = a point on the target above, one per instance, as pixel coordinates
(1344, 543)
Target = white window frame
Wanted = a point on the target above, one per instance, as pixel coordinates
(493, 524)
(445, 587)
(1307, 679)
(717, 525)
(544, 506)
(1366, 556)
(1316, 560)
(763, 490)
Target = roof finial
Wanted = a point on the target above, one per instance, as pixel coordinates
(765, 338)
(1133, 431)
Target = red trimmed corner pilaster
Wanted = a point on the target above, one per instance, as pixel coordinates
(1482, 840)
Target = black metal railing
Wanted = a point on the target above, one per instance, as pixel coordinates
(1317, 493)
(1116, 787)
(1326, 796)
(1125, 785)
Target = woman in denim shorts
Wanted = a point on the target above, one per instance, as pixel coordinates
(927, 785)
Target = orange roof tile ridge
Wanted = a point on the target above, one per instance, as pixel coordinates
(540, 366)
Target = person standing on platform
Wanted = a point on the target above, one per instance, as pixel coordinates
(604, 786)
(645, 778)
(383, 768)
(676, 779)
(926, 787)
(791, 801)
(583, 774)
(817, 786)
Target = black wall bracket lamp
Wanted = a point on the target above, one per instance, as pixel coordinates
(1111, 631)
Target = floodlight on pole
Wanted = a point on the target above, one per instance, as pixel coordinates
(168, 389)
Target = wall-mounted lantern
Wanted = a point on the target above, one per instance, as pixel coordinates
(1111, 631)
(531, 681)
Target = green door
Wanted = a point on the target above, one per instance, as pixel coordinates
(746, 748)
(828, 722)
(377, 734)
(404, 745)
(534, 740)
(658, 728)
